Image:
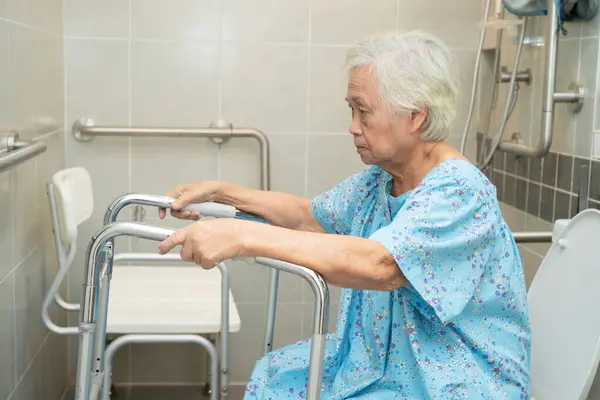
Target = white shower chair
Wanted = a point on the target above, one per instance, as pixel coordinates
(149, 299)
(563, 297)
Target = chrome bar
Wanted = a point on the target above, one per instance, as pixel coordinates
(98, 350)
(320, 320)
(88, 315)
(91, 288)
(99, 240)
(566, 97)
(85, 130)
(522, 76)
(18, 151)
(550, 97)
(533, 237)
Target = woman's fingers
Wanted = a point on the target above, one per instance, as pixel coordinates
(191, 215)
(185, 195)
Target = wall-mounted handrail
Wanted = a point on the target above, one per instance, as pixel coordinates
(85, 130)
(16, 151)
(575, 95)
(533, 237)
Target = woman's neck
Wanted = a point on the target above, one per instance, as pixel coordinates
(419, 163)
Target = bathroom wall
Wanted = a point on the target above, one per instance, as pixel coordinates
(273, 65)
(535, 191)
(33, 362)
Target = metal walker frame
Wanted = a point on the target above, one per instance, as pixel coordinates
(93, 365)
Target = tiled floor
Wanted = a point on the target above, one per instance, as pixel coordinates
(163, 393)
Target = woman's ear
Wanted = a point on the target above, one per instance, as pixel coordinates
(418, 119)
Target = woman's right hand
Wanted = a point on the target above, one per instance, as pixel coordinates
(188, 194)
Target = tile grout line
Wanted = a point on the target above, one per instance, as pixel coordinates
(24, 25)
(574, 136)
(130, 139)
(220, 55)
(13, 242)
(596, 89)
(18, 264)
(308, 115)
(555, 188)
(67, 284)
(46, 135)
(236, 42)
(33, 359)
(308, 103)
(15, 374)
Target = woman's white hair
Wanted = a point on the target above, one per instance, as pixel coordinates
(412, 70)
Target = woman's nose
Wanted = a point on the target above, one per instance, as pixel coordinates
(355, 127)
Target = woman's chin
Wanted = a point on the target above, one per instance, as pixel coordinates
(366, 158)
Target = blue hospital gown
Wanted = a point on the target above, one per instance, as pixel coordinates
(458, 330)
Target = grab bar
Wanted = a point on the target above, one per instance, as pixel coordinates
(532, 237)
(17, 151)
(90, 310)
(574, 96)
(84, 130)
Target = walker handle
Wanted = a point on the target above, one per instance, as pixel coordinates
(208, 209)
(216, 210)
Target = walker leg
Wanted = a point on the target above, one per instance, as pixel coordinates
(84, 362)
(224, 334)
(112, 392)
(207, 387)
(102, 315)
(271, 305)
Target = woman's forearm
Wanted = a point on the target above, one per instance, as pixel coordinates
(345, 261)
(279, 209)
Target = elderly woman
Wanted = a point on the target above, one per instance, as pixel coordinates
(434, 302)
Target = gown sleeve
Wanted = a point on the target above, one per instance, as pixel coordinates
(442, 240)
(335, 209)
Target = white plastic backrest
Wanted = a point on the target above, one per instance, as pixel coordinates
(74, 200)
(565, 323)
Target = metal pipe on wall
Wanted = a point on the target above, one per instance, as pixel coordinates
(84, 130)
(532, 237)
(17, 151)
(550, 97)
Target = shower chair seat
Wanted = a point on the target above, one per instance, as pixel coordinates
(159, 299)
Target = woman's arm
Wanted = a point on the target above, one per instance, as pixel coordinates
(345, 261)
(279, 209)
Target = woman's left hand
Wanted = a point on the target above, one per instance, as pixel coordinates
(207, 243)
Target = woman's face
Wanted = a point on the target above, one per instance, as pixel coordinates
(380, 137)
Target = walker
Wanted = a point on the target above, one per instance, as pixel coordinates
(93, 379)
